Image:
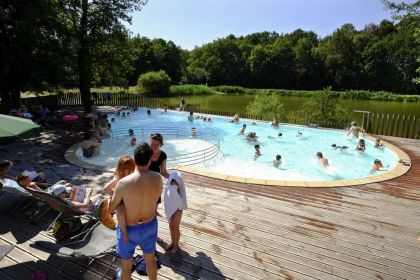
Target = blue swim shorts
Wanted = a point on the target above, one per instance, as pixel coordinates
(144, 235)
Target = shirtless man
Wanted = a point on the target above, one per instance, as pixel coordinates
(322, 160)
(138, 192)
(354, 130)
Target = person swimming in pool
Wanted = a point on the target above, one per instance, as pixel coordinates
(322, 160)
(341, 148)
(299, 133)
(130, 132)
(242, 130)
(277, 161)
(378, 144)
(378, 166)
(361, 147)
(257, 151)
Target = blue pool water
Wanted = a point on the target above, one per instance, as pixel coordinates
(236, 155)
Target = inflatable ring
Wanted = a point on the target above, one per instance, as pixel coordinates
(69, 118)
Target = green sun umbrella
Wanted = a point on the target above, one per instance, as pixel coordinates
(12, 128)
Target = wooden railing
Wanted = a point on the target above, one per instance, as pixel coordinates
(400, 125)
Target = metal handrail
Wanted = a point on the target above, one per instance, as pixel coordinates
(190, 158)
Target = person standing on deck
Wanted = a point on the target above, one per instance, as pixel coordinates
(138, 192)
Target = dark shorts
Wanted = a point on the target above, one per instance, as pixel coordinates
(144, 235)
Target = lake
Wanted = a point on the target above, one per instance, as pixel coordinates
(238, 103)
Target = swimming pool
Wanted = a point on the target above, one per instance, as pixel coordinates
(231, 154)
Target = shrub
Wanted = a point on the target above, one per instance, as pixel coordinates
(267, 105)
(229, 89)
(324, 110)
(154, 83)
(190, 90)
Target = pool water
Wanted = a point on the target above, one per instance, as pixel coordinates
(237, 155)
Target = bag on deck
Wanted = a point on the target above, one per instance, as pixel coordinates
(65, 227)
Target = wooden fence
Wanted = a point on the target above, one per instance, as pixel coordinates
(406, 126)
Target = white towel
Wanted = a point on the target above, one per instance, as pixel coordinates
(174, 200)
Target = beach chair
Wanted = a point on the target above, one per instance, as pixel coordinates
(99, 242)
(65, 207)
(13, 196)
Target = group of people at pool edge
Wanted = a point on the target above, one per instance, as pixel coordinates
(135, 199)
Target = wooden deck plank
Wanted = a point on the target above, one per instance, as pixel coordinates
(235, 230)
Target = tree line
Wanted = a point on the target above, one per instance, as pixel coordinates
(50, 44)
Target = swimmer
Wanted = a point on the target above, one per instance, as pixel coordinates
(361, 147)
(253, 123)
(131, 132)
(257, 151)
(109, 126)
(193, 131)
(242, 131)
(191, 117)
(342, 148)
(118, 113)
(204, 119)
(128, 113)
(209, 119)
(378, 144)
(277, 161)
(112, 119)
(322, 160)
(133, 141)
(123, 114)
(149, 112)
(354, 130)
(378, 166)
(299, 134)
(235, 118)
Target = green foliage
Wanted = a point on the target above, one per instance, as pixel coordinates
(323, 110)
(154, 83)
(230, 89)
(267, 106)
(182, 90)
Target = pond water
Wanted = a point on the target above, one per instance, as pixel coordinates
(238, 103)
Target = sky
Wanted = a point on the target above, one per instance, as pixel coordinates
(190, 23)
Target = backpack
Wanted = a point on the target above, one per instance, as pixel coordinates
(65, 227)
(139, 264)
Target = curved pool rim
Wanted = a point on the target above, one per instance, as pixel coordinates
(399, 170)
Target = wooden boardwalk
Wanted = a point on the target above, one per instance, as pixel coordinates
(242, 231)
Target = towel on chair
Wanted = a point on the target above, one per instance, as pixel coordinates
(174, 200)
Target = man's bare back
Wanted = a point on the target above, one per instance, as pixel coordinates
(139, 193)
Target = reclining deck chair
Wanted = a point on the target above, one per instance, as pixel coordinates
(99, 243)
(64, 207)
(12, 196)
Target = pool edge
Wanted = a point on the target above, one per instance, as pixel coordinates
(399, 170)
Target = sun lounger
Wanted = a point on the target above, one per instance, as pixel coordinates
(65, 207)
(99, 242)
(12, 196)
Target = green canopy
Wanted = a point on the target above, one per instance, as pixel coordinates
(12, 128)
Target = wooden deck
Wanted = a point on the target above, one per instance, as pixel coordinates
(240, 231)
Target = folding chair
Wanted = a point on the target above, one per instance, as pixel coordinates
(64, 207)
(99, 243)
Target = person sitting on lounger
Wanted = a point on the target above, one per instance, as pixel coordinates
(25, 181)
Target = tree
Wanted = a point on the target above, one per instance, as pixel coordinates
(90, 22)
(402, 10)
(32, 49)
(154, 83)
(324, 110)
(267, 105)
